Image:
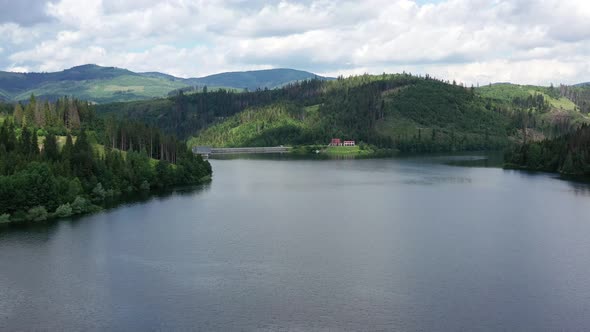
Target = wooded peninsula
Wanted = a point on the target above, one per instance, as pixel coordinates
(60, 159)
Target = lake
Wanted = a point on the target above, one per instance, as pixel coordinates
(330, 245)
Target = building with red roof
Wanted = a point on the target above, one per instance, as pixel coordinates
(349, 143)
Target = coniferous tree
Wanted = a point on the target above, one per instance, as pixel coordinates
(25, 142)
(50, 148)
(29, 115)
(34, 144)
(67, 150)
(18, 114)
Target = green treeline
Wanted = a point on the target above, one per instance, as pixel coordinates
(45, 174)
(568, 154)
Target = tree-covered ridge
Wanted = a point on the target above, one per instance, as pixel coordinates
(108, 84)
(402, 111)
(41, 178)
(390, 111)
(254, 79)
(568, 154)
(120, 88)
(17, 82)
(434, 116)
(87, 82)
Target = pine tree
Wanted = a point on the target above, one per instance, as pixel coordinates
(73, 116)
(29, 118)
(34, 144)
(50, 150)
(67, 150)
(25, 142)
(81, 144)
(18, 114)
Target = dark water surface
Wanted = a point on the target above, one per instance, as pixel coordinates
(391, 244)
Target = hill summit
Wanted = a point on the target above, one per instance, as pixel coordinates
(109, 84)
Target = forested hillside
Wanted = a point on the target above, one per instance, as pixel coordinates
(399, 111)
(395, 111)
(187, 114)
(273, 125)
(59, 159)
(568, 154)
(392, 111)
(544, 111)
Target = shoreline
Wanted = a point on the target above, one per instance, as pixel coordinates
(109, 203)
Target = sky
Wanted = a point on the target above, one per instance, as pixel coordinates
(471, 41)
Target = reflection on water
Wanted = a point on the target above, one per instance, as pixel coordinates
(491, 159)
(432, 180)
(579, 188)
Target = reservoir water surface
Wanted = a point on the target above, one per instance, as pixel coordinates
(305, 245)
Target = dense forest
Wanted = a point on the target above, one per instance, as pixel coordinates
(400, 111)
(186, 114)
(59, 159)
(390, 111)
(568, 154)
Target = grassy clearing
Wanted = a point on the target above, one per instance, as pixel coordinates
(346, 151)
(562, 104)
(508, 92)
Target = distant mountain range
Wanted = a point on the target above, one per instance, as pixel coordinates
(110, 84)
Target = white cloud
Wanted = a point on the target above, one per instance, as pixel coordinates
(12, 33)
(524, 41)
(18, 69)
